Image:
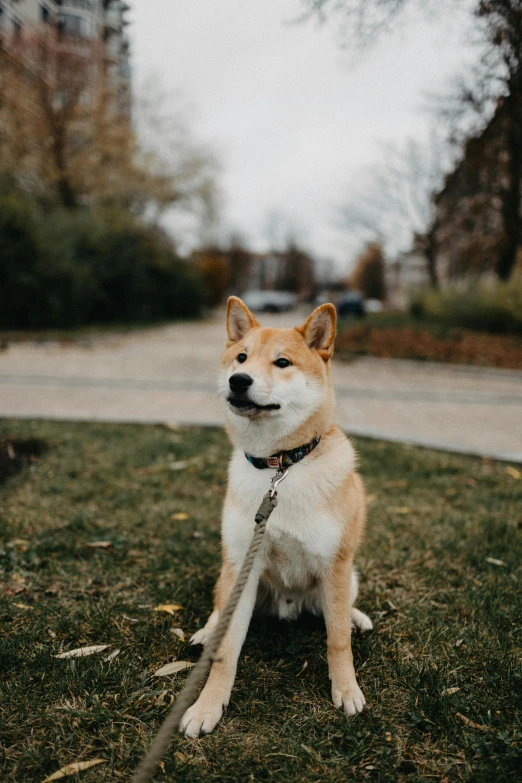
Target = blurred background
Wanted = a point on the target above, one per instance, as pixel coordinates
(156, 157)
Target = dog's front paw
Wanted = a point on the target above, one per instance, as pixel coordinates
(201, 718)
(349, 699)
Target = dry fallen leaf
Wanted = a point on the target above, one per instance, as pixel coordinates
(180, 515)
(304, 666)
(392, 606)
(179, 633)
(495, 561)
(130, 619)
(471, 723)
(71, 769)
(449, 691)
(112, 655)
(458, 642)
(513, 472)
(23, 606)
(179, 465)
(22, 544)
(81, 652)
(173, 668)
(170, 608)
(100, 544)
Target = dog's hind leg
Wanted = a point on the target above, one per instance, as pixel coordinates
(203, 635)
(359, 620)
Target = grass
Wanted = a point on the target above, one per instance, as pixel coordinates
(445, 617)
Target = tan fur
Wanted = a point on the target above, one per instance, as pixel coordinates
(313, 535)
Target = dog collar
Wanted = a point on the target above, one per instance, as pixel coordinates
(285, 458)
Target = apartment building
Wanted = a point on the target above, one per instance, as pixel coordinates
(93, 28)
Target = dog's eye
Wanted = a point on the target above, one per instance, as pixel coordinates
(242, 357)
(282, 362)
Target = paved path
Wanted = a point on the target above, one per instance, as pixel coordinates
(168, 375)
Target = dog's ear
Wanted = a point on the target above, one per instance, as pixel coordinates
(319, 330)
(239, 319)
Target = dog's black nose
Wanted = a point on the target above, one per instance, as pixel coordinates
(240, 381)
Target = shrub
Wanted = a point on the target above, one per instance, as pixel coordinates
(457, 346)
(369, 273)
(20, 261)
(83, 267)
(495, 308)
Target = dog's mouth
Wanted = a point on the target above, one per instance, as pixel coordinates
(243, 405)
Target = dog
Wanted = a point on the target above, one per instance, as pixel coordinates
(279, 398)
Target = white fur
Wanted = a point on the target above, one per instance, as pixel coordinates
(299, 398)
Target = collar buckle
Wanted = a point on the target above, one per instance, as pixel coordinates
(281, 474)
(275, 462)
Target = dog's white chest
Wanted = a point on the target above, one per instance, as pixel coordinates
(289, 562)
(302, 535)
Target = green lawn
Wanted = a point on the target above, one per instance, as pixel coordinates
(445, 618)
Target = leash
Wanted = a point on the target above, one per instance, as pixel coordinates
(188, 694)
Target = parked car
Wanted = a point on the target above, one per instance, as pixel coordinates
(373, 306)
(351, 303)
(269, 301)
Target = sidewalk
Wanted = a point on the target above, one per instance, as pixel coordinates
(168, 375)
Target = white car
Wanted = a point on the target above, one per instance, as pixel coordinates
(269, 301)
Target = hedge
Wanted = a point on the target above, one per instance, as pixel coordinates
(65, 269)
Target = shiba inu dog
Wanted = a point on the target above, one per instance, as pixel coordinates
(280, 405)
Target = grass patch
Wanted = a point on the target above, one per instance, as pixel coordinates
(434, 520)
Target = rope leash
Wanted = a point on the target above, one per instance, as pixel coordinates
(188, 694)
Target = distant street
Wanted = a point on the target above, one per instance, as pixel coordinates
(167, 374)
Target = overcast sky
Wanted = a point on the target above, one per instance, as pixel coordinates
(293, 118)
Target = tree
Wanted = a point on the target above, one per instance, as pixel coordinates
(63, 139)
(167, 150)
(395, 203)
(297, 271)
(240, 265)
(214, 270)
(369, 273)
(360, 21)
(499, 34)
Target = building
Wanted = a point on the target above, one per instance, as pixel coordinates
(91, 28)
(405, 276)
(469, 228)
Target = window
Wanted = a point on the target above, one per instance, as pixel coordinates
(44, 14)
(85, 5)
(75, 26)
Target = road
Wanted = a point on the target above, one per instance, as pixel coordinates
(168, 374)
